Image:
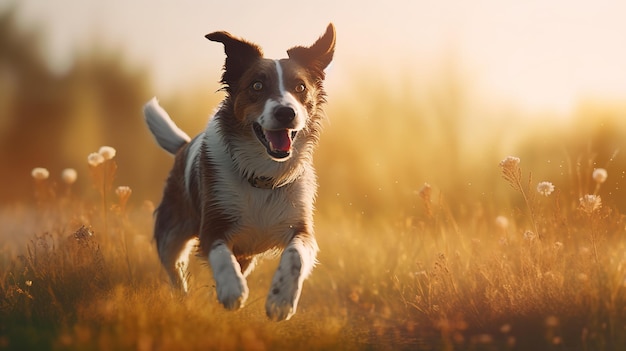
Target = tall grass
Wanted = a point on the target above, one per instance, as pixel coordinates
(418, 250)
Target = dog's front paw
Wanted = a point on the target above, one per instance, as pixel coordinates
(284, 294)
(232, 292)
(282, 302)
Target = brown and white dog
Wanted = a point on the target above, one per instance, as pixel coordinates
(246, 185)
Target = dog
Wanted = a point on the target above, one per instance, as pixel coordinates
(246, 185)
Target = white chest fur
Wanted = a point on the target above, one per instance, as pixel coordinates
(264, 218)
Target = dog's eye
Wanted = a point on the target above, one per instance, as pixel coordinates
(300, 88)
(257, 86)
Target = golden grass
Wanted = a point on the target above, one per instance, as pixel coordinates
(477, 259)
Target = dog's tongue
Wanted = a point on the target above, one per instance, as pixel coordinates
(279, 139)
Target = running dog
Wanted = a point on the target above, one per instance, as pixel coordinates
(246, 186)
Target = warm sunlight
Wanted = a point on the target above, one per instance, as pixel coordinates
(536, 55)
(470, 157)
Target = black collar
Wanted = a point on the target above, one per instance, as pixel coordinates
(263, 182)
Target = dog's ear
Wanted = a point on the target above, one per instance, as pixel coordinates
(240, 54)
(318, 55)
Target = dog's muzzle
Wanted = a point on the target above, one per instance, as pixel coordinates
(278, 141)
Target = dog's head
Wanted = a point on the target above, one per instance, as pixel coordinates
(276, 102)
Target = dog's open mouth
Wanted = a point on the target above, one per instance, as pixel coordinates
(277, 142)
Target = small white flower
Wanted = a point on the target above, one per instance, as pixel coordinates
(590, 203)
(40, 173)
(69, 176)
(599, 175)
(123, 191)
(545, 188)
(29, 283)
(94, 159)
(107, 152)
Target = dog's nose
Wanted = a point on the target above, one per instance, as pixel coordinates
(285, 114)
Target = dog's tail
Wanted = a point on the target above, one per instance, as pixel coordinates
(165, 131)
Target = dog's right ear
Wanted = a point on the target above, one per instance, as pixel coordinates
(240, 54)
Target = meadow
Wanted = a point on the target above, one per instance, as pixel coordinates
(429, 240)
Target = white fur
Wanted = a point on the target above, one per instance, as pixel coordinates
(266, 119)
(232, 290)
(165, 131)
(295, 266)
(182, 263)
(257, 210)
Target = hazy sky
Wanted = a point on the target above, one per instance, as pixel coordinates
(537, 54)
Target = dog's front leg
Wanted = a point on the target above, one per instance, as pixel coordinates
(296, 263)
(232, 290)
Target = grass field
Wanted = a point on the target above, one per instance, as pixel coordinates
(482, 258)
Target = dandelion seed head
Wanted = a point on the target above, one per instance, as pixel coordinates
(545, 188)
(511, 171)
(107, 152)
(599, 175)
(94, 159)
(510, 162)
(69, 176)
(502, 222)
(590, 203)
(40, 173)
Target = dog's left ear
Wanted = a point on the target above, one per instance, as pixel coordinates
(318, 55)
(240, 54)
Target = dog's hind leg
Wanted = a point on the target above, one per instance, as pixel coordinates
(175, 243)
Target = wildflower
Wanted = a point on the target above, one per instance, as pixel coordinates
(599, 175)
(511, 171)
(529, 235)
(590, 203)
(94, 159)
(107, 152)
(502, 222)
(29, 283)
(545, 188)
(123, 191)
(510, 162)
(69, 176)
(40, 173)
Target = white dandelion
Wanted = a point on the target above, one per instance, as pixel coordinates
(502, 222)
(545, 188)
(94, 159)
(599, 175)
(40, 173)
(69, 176)
(590, 203)
(107, 152)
